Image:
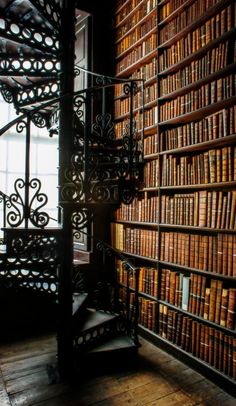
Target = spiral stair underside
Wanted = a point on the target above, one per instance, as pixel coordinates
(30, 49)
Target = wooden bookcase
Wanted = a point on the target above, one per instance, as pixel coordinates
(181, 227)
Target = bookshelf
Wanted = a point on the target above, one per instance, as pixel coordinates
(181, 227)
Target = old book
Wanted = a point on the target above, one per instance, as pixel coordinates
(202, 341)
(225, 255)
(225, 354)
(231, 309)
(211, 345)
(230, 356)
(185, 297)
(202, 208)
(212, 306)
(202, 296)
(232, 223)
(234, 358)
(214, 209)
(220, 253)
(188, 335)
(206, 346)
(183, 332)
(161, 311)
(224, 307)
(165, 317)
(178, 328)
(170, 325)
(212, 165)
(224, 156)
(219, 209)
(207, 304)
(218, 301)
(229, 260)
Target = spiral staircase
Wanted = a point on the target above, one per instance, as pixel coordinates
(96, 173)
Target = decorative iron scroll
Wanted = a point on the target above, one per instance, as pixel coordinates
(32, 260)
(38, 218)
(40, 120)
(99, 165)
(6, 93)
(21, 211)
(81, 218)
(103, 129)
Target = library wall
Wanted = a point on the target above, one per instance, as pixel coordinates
(181, 227)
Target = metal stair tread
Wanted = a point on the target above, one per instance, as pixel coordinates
(95, 318)
(78, 300)
(114, 344)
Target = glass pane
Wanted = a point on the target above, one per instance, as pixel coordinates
(16, 156)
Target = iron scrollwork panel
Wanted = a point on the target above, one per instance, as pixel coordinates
(19, 211)
(32, 259)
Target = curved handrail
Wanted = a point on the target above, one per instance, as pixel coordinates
(129, 266)
(51, 102)
(119, 80)
(122, 256)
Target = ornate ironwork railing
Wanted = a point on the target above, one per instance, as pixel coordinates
(108, 293)
(101, 166)
(14, 212)
(98, 168)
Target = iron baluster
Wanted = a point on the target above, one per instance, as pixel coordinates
(27, 173)
(87, 131)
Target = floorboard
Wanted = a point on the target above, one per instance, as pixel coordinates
(157, 379)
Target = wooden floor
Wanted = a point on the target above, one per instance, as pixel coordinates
(157, 380)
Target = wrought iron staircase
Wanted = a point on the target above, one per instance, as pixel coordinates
(96, 173)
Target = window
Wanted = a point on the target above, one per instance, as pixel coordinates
(43, 160)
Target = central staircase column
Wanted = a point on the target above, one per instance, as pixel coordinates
(67, 37)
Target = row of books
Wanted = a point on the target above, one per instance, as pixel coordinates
(214, 60)
(211, 253)
(146, 7)
(202, 341)
(146, 47)
(148, 278)
(168, 7)
(135, 241)
(146, 72)
(215, 165)
(122, 128)
(151, 173)
(213, 92)
(188, 15)
(140, 121)
(217, 125)
(143, 208)
(197, 39)
(136, 34)
(122, 105)
(148, 313)
(211, 209)
(150, 117)
(150, 144)
(200, 296)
